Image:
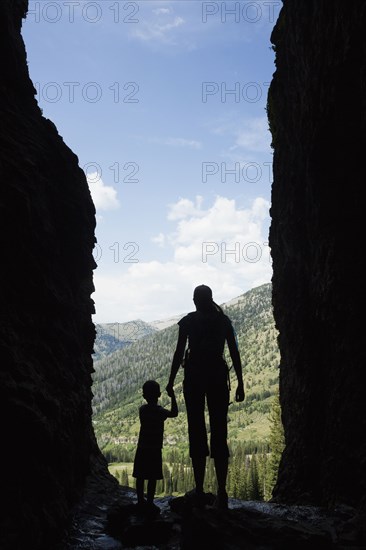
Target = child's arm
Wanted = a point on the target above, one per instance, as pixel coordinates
(173, 407)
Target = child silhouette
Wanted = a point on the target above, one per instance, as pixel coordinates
(148, 457)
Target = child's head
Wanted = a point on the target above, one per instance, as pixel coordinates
(151, 390)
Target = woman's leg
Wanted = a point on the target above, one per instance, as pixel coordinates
(194, 396)
(151, 487)
(199, 468)
(140, 490)
(221, 467)
(218, 402)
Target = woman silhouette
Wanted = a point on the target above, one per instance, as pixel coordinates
(206, 377)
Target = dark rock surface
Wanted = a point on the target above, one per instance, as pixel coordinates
(52, 471)
(46, 332)
(110, 520)
(317, 116)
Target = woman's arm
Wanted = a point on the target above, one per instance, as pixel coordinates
(177, 359)
(235, 357)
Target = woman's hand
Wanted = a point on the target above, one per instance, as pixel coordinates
(170, 389)
(240, 393)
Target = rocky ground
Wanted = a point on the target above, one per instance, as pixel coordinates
(108, 519)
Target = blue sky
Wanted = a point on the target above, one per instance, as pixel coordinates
(164, 104)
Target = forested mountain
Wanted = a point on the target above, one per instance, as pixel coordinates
(112, 337)
(118, 379)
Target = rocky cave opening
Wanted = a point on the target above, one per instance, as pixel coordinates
(316, 110)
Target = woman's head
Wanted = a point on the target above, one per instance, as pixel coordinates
(202, 297)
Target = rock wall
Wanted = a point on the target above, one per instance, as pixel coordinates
(46, 333)
(316, 108)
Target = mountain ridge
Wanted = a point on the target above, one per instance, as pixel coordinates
(114, 336)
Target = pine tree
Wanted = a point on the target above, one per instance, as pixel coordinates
(210, 477)
(175, 477)
(235, 482)
(180, 479)
(262, 461)
(277, 445)
(253, 481)
(124, 478)
(242, 491)
(189, 479)
(159, 487)
(167, 480)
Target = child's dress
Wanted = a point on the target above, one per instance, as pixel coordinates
(148, 459)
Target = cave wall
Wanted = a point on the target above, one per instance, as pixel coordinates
(316, 108)
(46, 331)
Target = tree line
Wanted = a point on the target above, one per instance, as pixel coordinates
(252, 470)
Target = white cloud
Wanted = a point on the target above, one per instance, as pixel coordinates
(183, 24)
(177, 142)
(181, 142)
(160, 11)
(247, 136)
(159, 239)
(104, 196)
(224, 246)
(157, 31)
(223, 224)
(184, 208)
(254, 136)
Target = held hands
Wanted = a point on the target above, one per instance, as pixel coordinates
(170, 390)
(240, 393)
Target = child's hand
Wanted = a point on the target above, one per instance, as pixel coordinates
(170, 390)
